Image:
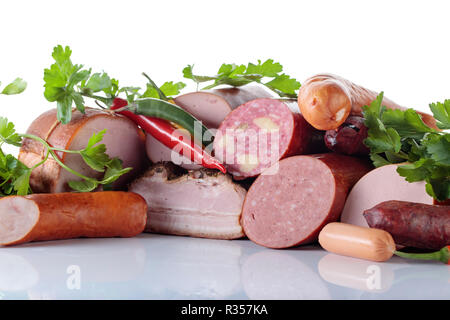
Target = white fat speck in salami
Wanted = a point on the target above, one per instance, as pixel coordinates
(312, 193)
(263, 131)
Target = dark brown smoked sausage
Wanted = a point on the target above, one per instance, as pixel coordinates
(412, 224)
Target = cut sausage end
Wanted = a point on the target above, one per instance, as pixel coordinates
(257, 134)
(288, 204)
(325, 104)
(18, 216)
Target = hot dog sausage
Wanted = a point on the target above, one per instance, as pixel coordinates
(259, 133)
(358, 242)
(56, 216)
(327, 100)
(412, 224)
(290, 202)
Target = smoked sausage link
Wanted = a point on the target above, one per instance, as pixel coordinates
(57, 216)
(412, 224)
(326, 100)
(289, 203)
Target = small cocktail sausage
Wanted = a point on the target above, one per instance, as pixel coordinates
(357, 242)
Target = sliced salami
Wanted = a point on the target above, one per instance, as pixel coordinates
(210, 107)
(259, 133)
(290, 203)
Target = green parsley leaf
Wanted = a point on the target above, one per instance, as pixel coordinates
(188, 74)
(441, 112)
(83, 185)
(15, 87)
(239, 75)
(8, 133)
(407, 123)
(266, 69)
(114, 171)
(60, 81)
(94, 154)
(172, 89)
(284, 85)
(438, 146)
(396, 136)
(416, 171)
(22, 183)
(99, 82)
(14, 176)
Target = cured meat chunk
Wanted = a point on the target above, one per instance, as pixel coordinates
(199, 203)
(123, 139)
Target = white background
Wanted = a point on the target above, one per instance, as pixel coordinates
(400, 47)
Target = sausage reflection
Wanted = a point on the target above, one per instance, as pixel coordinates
(355, 273)
(44, 269)
(192, 268)
(273, 274)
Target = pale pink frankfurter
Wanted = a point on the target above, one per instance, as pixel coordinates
(357, 242)
(210, 107)
(261, 132)
(379, 185)
(290, 206)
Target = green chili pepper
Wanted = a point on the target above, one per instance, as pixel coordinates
(152, 107)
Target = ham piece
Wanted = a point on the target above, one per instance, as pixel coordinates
(199, 203)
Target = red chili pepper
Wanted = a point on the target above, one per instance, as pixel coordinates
(442, 255)
(164, 132)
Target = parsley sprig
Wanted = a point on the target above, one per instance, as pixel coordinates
(15, 87)
(15, 176)
(396, 136)
(239, 75)
(68, 84)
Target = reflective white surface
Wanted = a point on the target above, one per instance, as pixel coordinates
(153, 266)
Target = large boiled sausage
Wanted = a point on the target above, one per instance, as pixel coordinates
(40, 217)
(289, 203)
(261, 132)
(123, 139)
(379, 185)
(326, 101)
